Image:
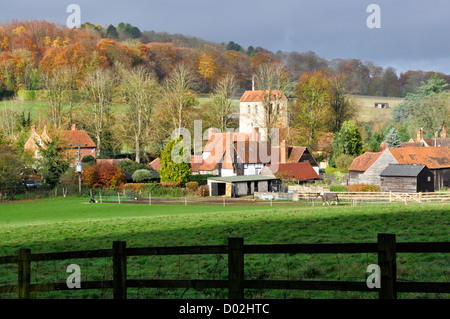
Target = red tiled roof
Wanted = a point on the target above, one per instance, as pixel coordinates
(155, 164)
(75, 137)
(364, 161)
(302, 171)
(296, 154)
(432, 157)
(257, 95)
(411, 144)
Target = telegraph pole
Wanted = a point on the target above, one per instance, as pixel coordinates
(79, 166)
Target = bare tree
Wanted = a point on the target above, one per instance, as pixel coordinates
(272, 80)
(140, 90)
(178, 95)
(224, 91)
(99, 88)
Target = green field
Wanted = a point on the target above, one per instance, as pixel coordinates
(367, 113)
(65, 224)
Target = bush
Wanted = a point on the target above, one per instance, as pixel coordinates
(26, 94)
(338, 188)
(142, 175)
(130, 166)
(201, 179)
(338, 176)
(330, 170)
(89, 160)
(103, 176)
(170, 184)
(192, 186)
(344, 161)
(363, 188)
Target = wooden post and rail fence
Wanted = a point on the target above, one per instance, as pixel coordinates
(386, 247)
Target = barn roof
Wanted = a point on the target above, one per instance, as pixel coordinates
(257, 95)
(432, 157)
(302, 171)
(402, 170)
(364, 161)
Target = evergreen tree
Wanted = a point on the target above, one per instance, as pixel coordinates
(111, 32)
(175, 162)
(347, 141)
(53, 164)
(392, 140)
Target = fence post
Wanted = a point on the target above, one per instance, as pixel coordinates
(119, 270)
(388, 266)
(118, 195)
(235, 268)
(24, 273)
(150, 198)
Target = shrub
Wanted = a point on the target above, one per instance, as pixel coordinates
(130, 166)
(330, 170)
(363, 188)
(192, 186)
(175, 162)
(201, 179)
(88, 160)
(338, 176)
(170, 184)
(103, 176)
(142, 175)
(338, 188)
(344, 161)
(26, 94)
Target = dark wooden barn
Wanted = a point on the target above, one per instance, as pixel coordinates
(407, 178)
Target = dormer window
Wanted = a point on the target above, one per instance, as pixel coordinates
(40, 142)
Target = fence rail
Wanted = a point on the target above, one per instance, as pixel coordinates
(268, 198)
(386, 248)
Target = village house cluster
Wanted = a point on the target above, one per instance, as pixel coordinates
(245, 162)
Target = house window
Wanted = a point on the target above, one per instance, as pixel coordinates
(40, 142)
(429, 178)
(248, 109)
(37, 154)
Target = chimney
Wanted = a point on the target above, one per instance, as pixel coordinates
(283, 152)
(419, 134)
(74, 127)
(443, 132)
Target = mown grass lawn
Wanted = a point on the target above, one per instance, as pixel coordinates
(65, 224)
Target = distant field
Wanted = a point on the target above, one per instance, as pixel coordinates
(65, 224)
(367, 113)
(369, 101)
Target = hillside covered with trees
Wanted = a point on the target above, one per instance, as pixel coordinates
(31, 49)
